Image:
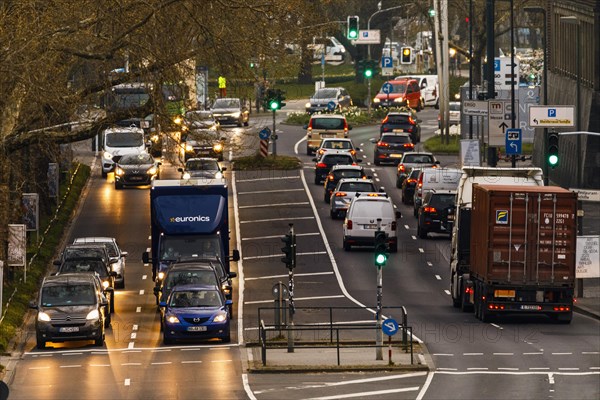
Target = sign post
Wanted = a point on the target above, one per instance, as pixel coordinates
(389, 327)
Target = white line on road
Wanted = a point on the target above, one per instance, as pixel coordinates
(421, 250)
(195, 349)
(562, 354)
(429, 264)
(138, 309)
(538, 353)
(590, 352)
(130, 346)
(443, 354)
(406, 227)
(568, 369)
(127, 382)
(218, 361)
(551, 379)
(192, 362)
(439, 278)
(472, 354)
(39, 367)
(142, 291)
(135, 327)
(425, 386)
(477, 369)
(279, 255)
(362, 394)
(297, 299)
(100, 365)
(447, 369)
(503, 354)
(247, 387)
(279, 236)
(272, 191)
(273, 178)
(72, 354)
(508, 369)
(71, 366)
(130, 364)
(162, 363)
(144, 277)
(275, 219)
(414, 237)
(286, 275)
(447, 292)
(301, 203)
(539, 368)
(133, 335)
(497, 326)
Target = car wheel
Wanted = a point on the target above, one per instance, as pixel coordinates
(112, 302)
(376, 162)
(122, 284)
(118, 186)
(247, 122)
(415, 212)
(162, 327)
(240, 123)
(40, 344)
(227, 337)
(167, 340)
(100, 341)
(347, 246)
(399, 186)
(326, 198)
(104, 174)
(317, 179)
(107, 321)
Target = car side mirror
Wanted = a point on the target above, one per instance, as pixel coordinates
(180, 170)
(437, 162)
(124, 254)
(162, 304)
(159, 163)
(398, 214)
(369, 176)
(56, 262)
(359, 160)
(349, 127)
(357, 148)
(103, 301)
(156, 290)
(373, 140)
(113, 274)
(33, 305)
(114, 260)
(232, 275)
(228, 302)
(382, 189)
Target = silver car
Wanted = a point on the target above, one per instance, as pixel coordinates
(345, 191)
(328, 99)
(117, 256)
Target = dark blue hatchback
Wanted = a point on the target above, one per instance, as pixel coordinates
(196, 312)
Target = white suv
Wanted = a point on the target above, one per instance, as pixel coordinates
(362, 217)
(118, 142)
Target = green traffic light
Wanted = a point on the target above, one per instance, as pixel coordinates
(380, 259)
(553, 160)
(274, 105)
(431, 12)
(368, 73)
(353, 34)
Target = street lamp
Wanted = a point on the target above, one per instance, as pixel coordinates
(537, 9)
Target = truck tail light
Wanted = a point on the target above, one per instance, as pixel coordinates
(497, 307)
(562, 308)
(349, 224)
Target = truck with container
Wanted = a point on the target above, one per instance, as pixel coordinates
(189, 220)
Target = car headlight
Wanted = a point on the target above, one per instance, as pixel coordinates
(153, 170)
(219, 175)
(107, 155)
(399, 100)
(119, 171)
(186, 175)
(189, 147)
(42, 316)
(236, 114)
(218, 147)
(154, 138)
(376, 100)
(93, 315)
(178, 120)
(161, 275)
(307, 105)
(105, 284)
(172, 319)
(222, 317)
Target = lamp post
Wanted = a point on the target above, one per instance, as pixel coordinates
(471, 64)
(544, 87)
(513, 158)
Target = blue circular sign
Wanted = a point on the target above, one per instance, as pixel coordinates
(387, 88)
(331, 105)
(264, 134)
(389, 327)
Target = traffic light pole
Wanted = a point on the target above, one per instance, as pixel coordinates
(274, 136)
(290, 335)
(378, 331)
(369, 96)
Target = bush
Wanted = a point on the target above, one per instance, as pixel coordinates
(435, 145)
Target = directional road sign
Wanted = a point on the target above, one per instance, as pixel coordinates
(389, 327)
(475, 107)
(502, 73)
(499, 119)
(331, 105)
(514, 139)
(551, 116)
(387, 88)
(264, 133)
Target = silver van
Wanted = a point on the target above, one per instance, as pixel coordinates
(434, 179)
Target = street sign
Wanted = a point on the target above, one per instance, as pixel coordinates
(499, 119)
(502, 73)
(551, 116)
(475, 107)
(387, 62)
(264, 133)
(372, 36)
(389, 327)
(387, 88)
(331, 105)
(514, 139)
(587, 195)
(470, 153)
(387, 71)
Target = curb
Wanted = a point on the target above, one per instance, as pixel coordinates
(586, 312)
(301, 369)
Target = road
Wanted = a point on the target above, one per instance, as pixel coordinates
(510, 358)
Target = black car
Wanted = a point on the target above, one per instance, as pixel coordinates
(408, 186)
(201, 136)
(391, 147)
(135, 170)
(69, 307)
(207, 168)
(437, 213)
(402, 122)
(338, 172)
(325, 163)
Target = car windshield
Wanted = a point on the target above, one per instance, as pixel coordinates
(182, 277)
(84, 265)
(196, 298)
(337, 144)
(347, 173)
(399, 119)
(418, 159)
(136, 159)
(227, 103)
(176, 247)
(202, 165)
(204, 118)
(454, 106)
(68, 295)
(124, 139)
(80, 252)
(327, 123)
(357, 187)
(395, 139)
(442, 200)
(414, 174)
(325, 94)
(333, 159)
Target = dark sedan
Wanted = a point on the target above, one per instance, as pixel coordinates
(391, 147)
(136, 169)
(414, 160)
(338, 172)
(207, 168)
(402, 122)
(325, 163)
(409, 184)
(201, 136)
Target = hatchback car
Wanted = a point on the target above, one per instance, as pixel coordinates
(335, 144)
(325, 163)
(201, 136)
(69, 307)
(391, 147)
(196, 312)
(414, 160)
(117, 256)
(345, 191)
(87, 250)
(231, 111)
(409, 184)
(338, 172)
(405, 92)
(321, 126)
(329, 98)
(207, 168)
(185, 274)
(437, 213)
(402, 121)
(135, 170)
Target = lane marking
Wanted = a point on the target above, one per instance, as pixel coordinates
(301, 203)
(161, 363)
(447, 369)
(286, 275)
(503, 354)
(561, 354)
(130, 364)
(362, 394)
(477, 369)
(298, 299)
(218, 361)
(138, 309)
(247, 387)
(443, 354)
(99, 365)
(144, 277)
(447, 292)
(551, 378)
(73, 354)
(406, 227)
(276, 219)
(568, 369)
(439, 278)
(425, 385)
(497, 326)
(141, 292)
(413, 237)
(279, 255)
(71, 366)
(279, 236)
(130, 346)
(240, 263)
(272, 191)
(508, 369)
(539, 368)
(135, 327)
(590, 352)
(533, 354)
(127, 382)
(429, 264)
(421, 250)
(472, 354)
(39, 367)
(268, 179)
(192, 362)
(133, 335)
(197, 349)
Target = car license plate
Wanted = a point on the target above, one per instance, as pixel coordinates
(196, 329)
(398, 130)
(69, 329)
(370, 226)
(326, 135)
(136, 178)
(529, 307)
(396, 155)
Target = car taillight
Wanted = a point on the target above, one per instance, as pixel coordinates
(409, 145)
(382, 144)
(345, 127)
(429, 209)
(393, 225)
(340, 194)
(385, 129)
(411, 120)
(330, 177)
(411, 181)
(385, 120)
(349, 224)
(321, 165)
(401, 168)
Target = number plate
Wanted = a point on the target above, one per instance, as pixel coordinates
(451, 217)
(529, 307)
(136, 178)
(395, 155)
(398, 130)
(196, 329)
(69, 329)
(370, 226)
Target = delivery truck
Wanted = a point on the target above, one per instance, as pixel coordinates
(189, 219)
(523, 247)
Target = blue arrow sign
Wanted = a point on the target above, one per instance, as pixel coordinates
(387, 88)
(513, 141)
(387, 62)
(331, 105)
(264, 134)
(389, 327)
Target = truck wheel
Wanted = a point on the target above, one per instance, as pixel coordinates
(455, 302)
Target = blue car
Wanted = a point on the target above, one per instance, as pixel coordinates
(196, 312)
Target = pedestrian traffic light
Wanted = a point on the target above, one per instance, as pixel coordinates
(381, 248)
(289, 250)
(352, 33)
(406, 57)
(552, 150)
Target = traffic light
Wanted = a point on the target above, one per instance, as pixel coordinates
(289, 258)
(280, 96)
(552, 150)
(406, 57)
(370, 68)
(352, 33)
(431, 12)
(381, 248)
(360, 70)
